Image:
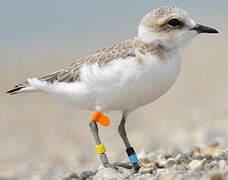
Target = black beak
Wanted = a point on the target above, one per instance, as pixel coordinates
(204, 29)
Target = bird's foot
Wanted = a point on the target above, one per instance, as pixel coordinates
(118, 164)
(87, 174)
(115, 166)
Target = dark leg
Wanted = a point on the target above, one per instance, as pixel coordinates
(101, 149)
(130, 150)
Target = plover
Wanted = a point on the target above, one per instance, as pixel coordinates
(125, 76)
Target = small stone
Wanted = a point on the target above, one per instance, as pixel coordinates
(147, 168)
(161, 163)
(197, 154)
(216, 176)
(196, 165)
(170, 162)
(181, 167)
(108, 173)
(221, 157)
(222, 164)
(198, 157)
(161, 171)
(164, 155)
(150, 165)
(205, 176)
(212, 165)
(167, 155)
(212, 150)
(143, 177)
(167, 177)
(208, 156)
(182, 158)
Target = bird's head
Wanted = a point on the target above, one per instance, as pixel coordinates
(170, 27)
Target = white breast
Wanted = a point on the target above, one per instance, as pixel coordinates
(123, 84)
(126, 85)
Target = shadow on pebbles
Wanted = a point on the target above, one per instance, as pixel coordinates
(209, 163)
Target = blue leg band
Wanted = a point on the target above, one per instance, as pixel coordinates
(132, 156)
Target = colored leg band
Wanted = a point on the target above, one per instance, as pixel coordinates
(101, 118)
(133, 158)
(131, 154)
(100, 148)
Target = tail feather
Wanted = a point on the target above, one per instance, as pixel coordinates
(14, 90)
(27, 86)
(20, 88)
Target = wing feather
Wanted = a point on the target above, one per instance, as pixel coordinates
(103, 56)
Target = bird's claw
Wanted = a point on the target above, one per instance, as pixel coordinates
(136, 168)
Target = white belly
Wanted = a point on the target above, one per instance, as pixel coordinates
(121, 85)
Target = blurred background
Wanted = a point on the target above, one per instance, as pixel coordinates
(44, 139)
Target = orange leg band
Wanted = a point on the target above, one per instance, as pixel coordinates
(101, 118)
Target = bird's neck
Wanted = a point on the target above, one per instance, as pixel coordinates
(149, 48)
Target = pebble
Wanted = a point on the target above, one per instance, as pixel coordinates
(170, 162)
(107, 174)
(212, 150)
(181, 167)
(143, 177)
(222, 164)
(216, 176)
(161, 171)
(161, 163)
(148, 168)
(182, 158)
(212, 165)
(198, 157)
(221, 157)
(208, 157)
(196, 165)
(167, 177)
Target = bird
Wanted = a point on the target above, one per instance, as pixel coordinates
(125, 76)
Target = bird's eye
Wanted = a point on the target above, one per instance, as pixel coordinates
(174, 22)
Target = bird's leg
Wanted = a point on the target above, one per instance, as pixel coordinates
(100, 146)
(101, 149)
(130, 150)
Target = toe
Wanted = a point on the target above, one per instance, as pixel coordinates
(136, 168)
(87, 174)
(123, 165)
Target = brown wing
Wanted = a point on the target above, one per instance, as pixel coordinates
(102, 57)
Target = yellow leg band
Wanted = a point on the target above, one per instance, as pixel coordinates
(100, 148)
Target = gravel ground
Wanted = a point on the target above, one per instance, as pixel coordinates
(208, 163)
